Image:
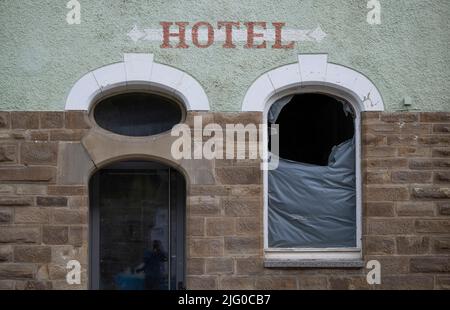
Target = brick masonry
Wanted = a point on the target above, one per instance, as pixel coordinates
(406, 208)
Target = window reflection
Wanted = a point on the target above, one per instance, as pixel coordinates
(136, 211)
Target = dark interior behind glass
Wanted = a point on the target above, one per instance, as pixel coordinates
(137, 114)
(137, 220)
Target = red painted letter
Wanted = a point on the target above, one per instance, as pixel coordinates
(195, 34)
(167, 34)
(228, 32)
(251, 35)
(278, 38)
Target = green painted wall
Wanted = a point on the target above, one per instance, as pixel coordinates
(41, 56)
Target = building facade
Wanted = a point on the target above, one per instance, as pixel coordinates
(90, 184)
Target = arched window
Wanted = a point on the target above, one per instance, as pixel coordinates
(304, 83)
(137, 227)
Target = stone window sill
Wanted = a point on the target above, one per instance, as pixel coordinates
(314, 263)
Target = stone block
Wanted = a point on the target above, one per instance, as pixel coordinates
(69, 216)
(237, 283)
(32, 254)
(248, 226)
(242, 245)
(413, 245)
(411, 177)
(430, 264)
(441, 177)
(5, 120)
(75, 164)
(390, 226)
(396, 117)
(441, 245)
(47, 201)
(17, 271)
(219, 265)
(431, 192)
(250, 265)
(78, 235)
(15, 201)
(67, 134)
(387, 163)
(418, 209)
(55, 234)
(28, 174)
(39, 153)
(379, 209)
(379, 245)
(19, 235)
(6, 216)
(31, 215)
(77, 120)
(220, 226)
(8, 154)
(241, 207)
(210, 247)
(204, 205)
(201, 282)
(386, 193)
(24, 120)
(195, 266)
(435, 117)
(196, 226)
(67, 190)
(52, 120)
(238, 175)
(432, 226)
(6, 253)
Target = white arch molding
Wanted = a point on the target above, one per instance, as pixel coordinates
(312, 70)
(135, 72)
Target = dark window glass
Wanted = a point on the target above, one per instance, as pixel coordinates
(137, 114)
(137, 220)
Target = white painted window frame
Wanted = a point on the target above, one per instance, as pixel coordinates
(137, 72)
(313, 74)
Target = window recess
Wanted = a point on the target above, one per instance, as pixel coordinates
(312, 195)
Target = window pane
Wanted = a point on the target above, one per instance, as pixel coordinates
(137, 114)
(134, 236)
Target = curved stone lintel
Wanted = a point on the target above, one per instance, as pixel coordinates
(104, 149)
(313, 70)
(137, 71)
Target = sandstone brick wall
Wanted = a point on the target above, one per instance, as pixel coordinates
(406, 208)
(407, 197)
(43, 222)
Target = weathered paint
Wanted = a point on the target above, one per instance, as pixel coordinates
(42, 56)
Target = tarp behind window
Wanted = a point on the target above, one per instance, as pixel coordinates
(314, 206)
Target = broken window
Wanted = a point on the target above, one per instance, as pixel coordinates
(312, 193)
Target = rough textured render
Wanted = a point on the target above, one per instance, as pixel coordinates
(407, 55)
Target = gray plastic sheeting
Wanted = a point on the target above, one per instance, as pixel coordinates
(276, 108)
(314, 206)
